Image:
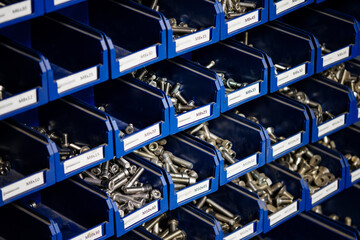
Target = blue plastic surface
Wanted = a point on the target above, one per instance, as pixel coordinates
(77, 56)
(239, 62)
(288, 118)
(206, 165)
(244, 204)
(287, 47)
(333, 97)
(347, 142)
(32, 161)
(80, 210)
(19, 11)
(54, 5)
(193, 79)
(294, 185)
(19, 223)
(345, 204)
(155, 177)
(309, 226)
(127, 103)
(192, 221)
(322, 23)
(24, 78)
(282, 7)
(132, 46)
(83, 124)
(204, 15)
(251, 19)
(354, 67)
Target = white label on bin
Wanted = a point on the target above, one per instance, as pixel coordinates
(331, 125)
(283, 213)
(286, 144)
(241, 165)
(291, 74)
(142, 213)
(241, 233)
(358, 112)
(336, 56)
(15, 10)
(243, 21)
(193, 115)
(142, 136)
(192, 191)
(137, 58)
(57, 2)
(325, 191)
(192, 40)
(22, 186)
(77, 79)
(355, 175)
(243, 94)
(83, 159)
(284, 5)
(92, 234)
(19, 101)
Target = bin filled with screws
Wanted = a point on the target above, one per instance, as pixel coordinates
(345, 142)
(342, 208)
(239, 213)
(322, 169)
(285, 122)
(290, 63)
(191, 167)
(347, 74)
(183, 83)
(25, 157)
(180, 224)
(331, 50)
(82, 136)
(25, 89)
(282, 192)
(241, 15)
(191, 24)
(331, 105)
(139, 114)
(242, 70)
(139, 190)
(240, 144)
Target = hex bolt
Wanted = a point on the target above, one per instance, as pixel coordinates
(135, 177)
(165, 233)
(285, 193)
(248, 5)
(156, 229)
(201, 202)
(173, 225)
(219, 208)
(182, 108)
(211, 64)
(133, 190)
(175, 235)
(155, 194)
(186, 181)
(117, 185)
(223, 218)
(181, 162)
(281, 201)
(178, 186)
(80, 149)
(123, 162)
(94, 181)
(227, 156)
(176, 93)
(65, 139)
(183, 30)
(167, 88)
(129, 129)
(149, 225)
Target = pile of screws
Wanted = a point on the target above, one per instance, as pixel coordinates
(67, 150)
(236, 8)
(341, 75)
(120, 179)
(172, 90)
(321, 116)
(180, 170)
(306, 164)
(223, 145)
(270, 130)
(5, 167)
(347, 220)
(274, 195)
(230, 84)
(164, 228)
(229, 222)
(353, 160)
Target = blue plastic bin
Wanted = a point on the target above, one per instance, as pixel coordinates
(55, 5)
(283, 7)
